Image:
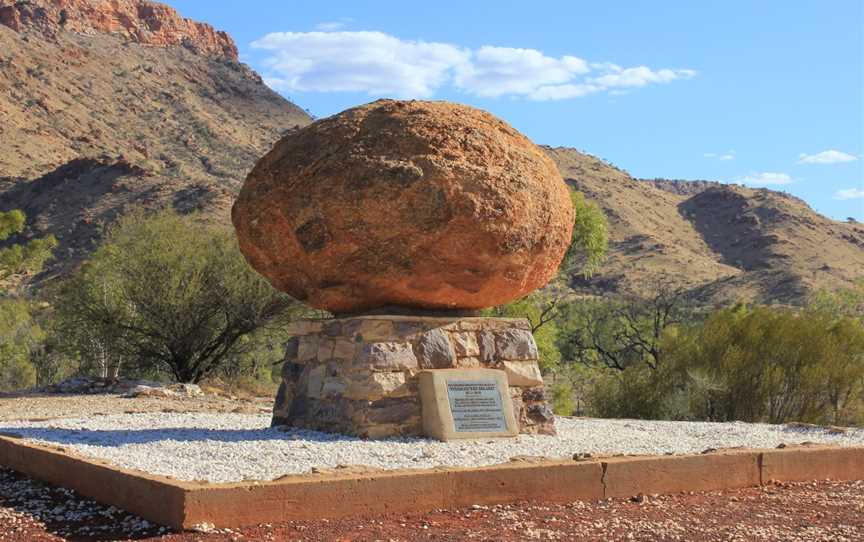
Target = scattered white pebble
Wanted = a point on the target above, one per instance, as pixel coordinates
(238, 447)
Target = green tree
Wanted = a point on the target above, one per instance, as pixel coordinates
(624, 331)
(590, 240)
(19, 335)
(22, 258)
(168, 293)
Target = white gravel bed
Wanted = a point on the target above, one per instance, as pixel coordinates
(236, 447)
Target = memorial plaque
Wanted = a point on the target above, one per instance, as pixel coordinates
(466, 403)
(476, 406)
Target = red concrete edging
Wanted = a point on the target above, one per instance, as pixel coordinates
(364, 492)
(335, 496)
(151, 497)
(802, 464)
(628, 476)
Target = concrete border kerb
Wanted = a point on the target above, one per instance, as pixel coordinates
(359, 492)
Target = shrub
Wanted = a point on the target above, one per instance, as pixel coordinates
(755, 364)
(774, 365)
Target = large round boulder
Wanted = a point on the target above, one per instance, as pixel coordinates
(429, 205)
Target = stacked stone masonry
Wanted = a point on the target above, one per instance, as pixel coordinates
(358, 376)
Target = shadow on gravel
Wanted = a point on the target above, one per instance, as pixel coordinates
(121, 437)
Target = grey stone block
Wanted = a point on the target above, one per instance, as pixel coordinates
(292, 348)
(486, 341)
(434, 350)
(515, 345)
(387, 356)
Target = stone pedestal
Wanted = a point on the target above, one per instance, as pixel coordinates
(359, 375)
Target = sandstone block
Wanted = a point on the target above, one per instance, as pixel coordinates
(409, 330)
(465, 344)
(325, 348)
(314, 381)
(396, 410)
(387, 356)
(307, 349)
(524, 374)
(469, 363)
(434, 350)
(375, 386)
(518, 406)
(375, 330)
(305, 327)
(515, 344)
(542, 418)
(332, 328)
(345, 349)
(333, 386)
(471, 324)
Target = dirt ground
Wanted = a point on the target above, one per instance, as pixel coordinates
(823, 511)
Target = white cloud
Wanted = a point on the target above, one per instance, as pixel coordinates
(563, 92)
(766, 178)
(496, 71)
(370, 62)
(849, 193)
(331, 26)
(380, 64)
(639, 76)
(728, 155)
(826, 157)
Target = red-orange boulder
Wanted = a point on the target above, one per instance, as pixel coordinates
(410, 204)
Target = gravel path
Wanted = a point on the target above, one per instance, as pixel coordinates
(236, 447)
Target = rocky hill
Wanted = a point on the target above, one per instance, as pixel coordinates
(107, 105)
(137, 21)
(727, 242)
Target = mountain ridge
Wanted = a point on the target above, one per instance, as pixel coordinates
(95, 124)
(726, 242)
(139, 21)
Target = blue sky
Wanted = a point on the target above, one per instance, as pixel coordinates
(764, 93)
